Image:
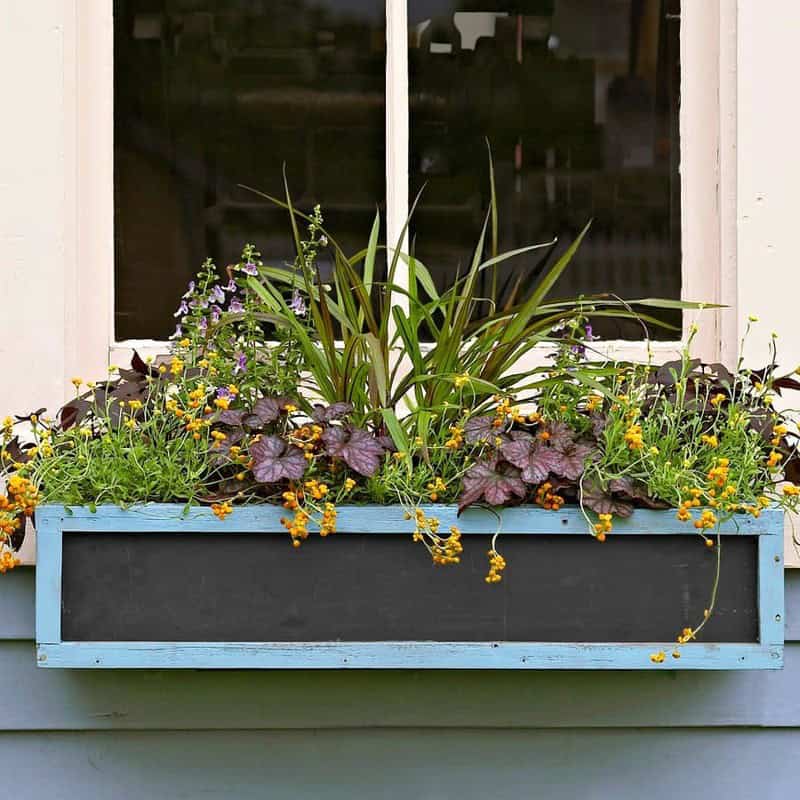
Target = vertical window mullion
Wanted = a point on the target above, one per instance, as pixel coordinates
(397, 131)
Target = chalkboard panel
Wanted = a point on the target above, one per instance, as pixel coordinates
(249, 587)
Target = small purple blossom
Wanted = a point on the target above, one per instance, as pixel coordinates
(216, 313)
(182, 311)
(298, 305)
(241, 363)
(198, 303)
(190, 290)
(250, 268)
(217, 295)
(236, 306)
(230, 286)
(590, 337)
(224, 393)
(178, 332)
(203, 324)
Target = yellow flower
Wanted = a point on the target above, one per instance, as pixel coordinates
(710, 440)
(633, 437)
(222, 402)
(753, 318)
(184, 342)
(774, 459)
(461, 380)
(790, 490)
(289, 408)
(349, 483)
(77, 382)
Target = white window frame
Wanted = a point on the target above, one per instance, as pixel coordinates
(708, 177)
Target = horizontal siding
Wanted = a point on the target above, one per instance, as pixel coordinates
(62, 700)
(403, 765)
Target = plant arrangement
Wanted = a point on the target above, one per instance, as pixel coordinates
(284, 389)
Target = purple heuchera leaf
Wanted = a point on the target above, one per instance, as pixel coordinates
(268, 409)
(322, 414)
(536, 460)
(573, 457)
(601, 502)
(275, 460)
(479, 429)
(495, 484)
(560, 435)
(359, 449)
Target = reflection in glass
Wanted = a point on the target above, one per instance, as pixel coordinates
(579, 100)
(210, 94)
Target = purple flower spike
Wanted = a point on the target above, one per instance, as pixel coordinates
(217, 295)
(230, 286)
(190, 291)
(298, 305)
(250, 268)
(241, 362)
(182, 311)
(236, 306)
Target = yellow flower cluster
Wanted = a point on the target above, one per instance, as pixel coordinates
(496, 566)
(603, 527)
(547, 498)
(317, 490)
(435, 488)
(778, 432)
(633, 437)
(297, 527)
(221, 510)
(718, 475)
(328, 524)
(717, 399)
(708, 520)
(593, 402)
(447, 551)
(790, 490)
(349, 484)
(456, 438)
(774, 459)
(711, 440)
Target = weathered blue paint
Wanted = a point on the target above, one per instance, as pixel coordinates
(52, 652)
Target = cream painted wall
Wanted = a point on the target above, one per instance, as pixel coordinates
(33, 204)
(55, 225)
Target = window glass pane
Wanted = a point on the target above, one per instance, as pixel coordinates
(210, 94)
(579, 100)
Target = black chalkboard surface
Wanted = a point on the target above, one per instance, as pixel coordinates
(252, 587)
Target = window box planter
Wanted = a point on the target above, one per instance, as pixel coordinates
(159, 586)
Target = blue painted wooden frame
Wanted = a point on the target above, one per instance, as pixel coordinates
(53, 521)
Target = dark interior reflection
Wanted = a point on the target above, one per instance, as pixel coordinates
(213, 93)
(580, 101)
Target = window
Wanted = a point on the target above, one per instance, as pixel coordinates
(367, 100)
